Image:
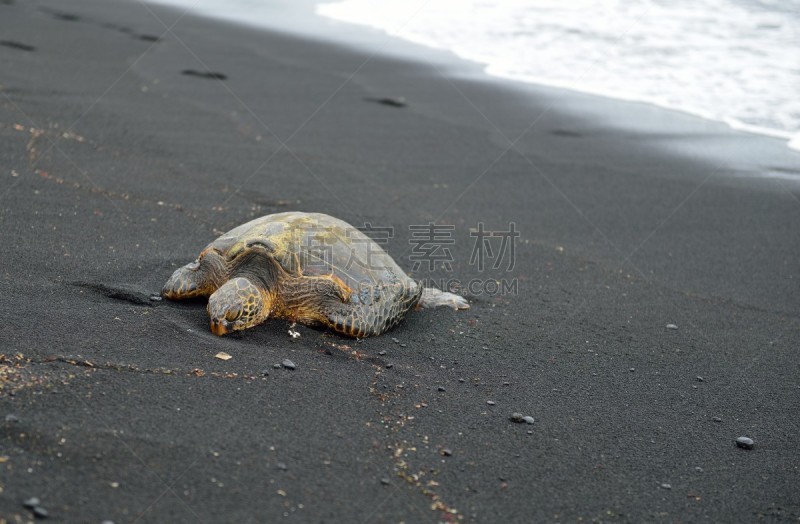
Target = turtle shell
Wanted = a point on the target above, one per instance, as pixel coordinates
(315, 244)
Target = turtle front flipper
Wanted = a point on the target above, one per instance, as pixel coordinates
(239, 304)
(196, 279)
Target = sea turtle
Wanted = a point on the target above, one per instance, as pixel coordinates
(307, 267)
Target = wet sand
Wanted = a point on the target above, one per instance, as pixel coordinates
(126, 148)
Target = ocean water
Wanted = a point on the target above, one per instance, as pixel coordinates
(735, 61)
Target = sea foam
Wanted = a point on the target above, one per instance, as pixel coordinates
(734, 61)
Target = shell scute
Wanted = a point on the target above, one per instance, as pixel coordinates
(314, 244)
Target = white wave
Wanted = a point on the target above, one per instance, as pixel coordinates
(734, 61)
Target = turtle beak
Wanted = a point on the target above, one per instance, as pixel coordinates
(220, 326)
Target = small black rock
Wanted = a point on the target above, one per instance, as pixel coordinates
(31, 502)
(745, 443)
(288, 364)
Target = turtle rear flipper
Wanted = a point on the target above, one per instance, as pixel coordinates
(432, 297)
(374, 310)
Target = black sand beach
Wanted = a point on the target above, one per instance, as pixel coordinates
(117, 166)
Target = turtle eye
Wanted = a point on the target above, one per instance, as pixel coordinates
(233, 314)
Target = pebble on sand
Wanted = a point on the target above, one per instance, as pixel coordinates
(446, 452)
(745, 442)
(288, 364)
(441, 388)
(31, 502)
(385, 481)
(490, 402)
(519, 418)
(223, 356)
(672, 326)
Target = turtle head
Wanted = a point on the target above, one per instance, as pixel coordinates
(197, 279)
(238, 304)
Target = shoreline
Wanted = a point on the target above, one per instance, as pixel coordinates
(792, 139)
(654, 320)
(305, 19)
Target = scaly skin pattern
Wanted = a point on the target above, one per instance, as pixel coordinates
(199, 278)
(306, 267)
(370, 312)
(365, 320)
